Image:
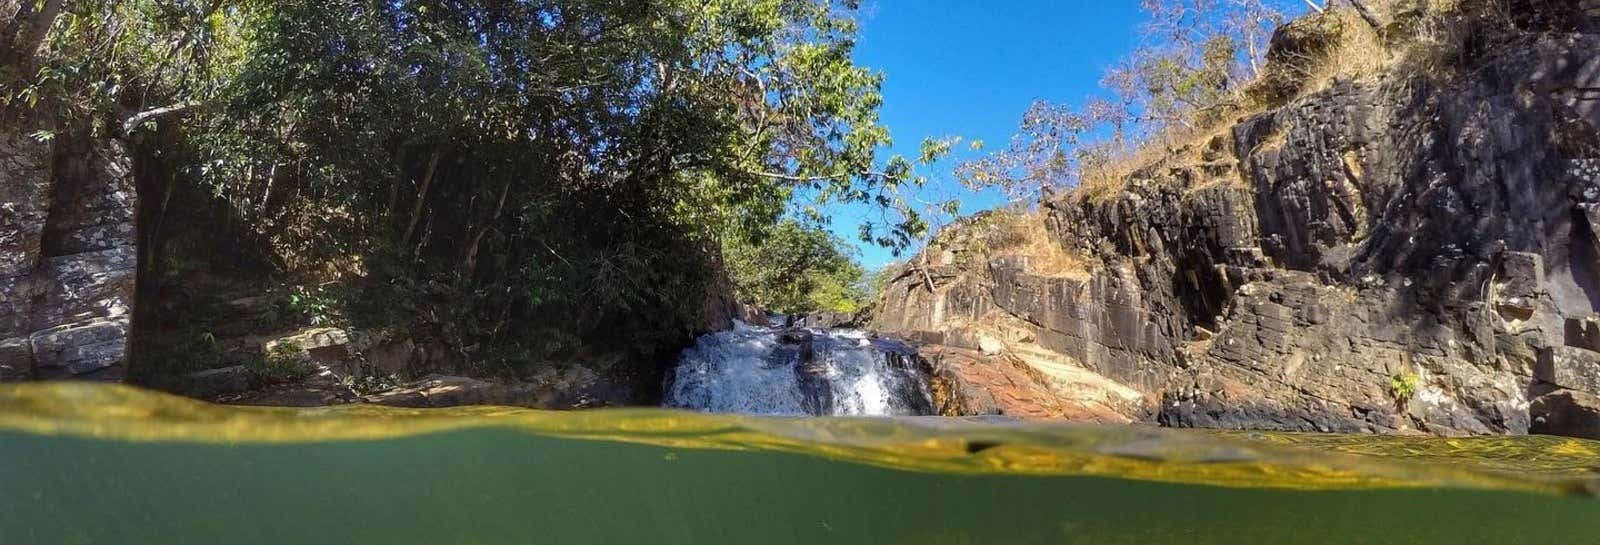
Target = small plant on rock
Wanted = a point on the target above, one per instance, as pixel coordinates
(1403, 386)
(370, 381)
(284, 364)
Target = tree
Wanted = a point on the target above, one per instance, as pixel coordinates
(796, 268)
(495, 172)
(1186, 75)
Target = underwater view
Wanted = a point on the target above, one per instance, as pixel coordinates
(143, 468)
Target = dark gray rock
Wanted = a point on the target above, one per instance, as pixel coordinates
(26, 180)
(1570, 368)
(1310, 269)
(215, 383)
(1568, 413)
(16, 360)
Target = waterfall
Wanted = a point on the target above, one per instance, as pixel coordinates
(799, 372)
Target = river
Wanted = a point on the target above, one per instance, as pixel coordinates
(110, 464)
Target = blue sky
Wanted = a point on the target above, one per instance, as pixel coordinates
(970, 69)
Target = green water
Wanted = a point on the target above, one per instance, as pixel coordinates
(92, 465)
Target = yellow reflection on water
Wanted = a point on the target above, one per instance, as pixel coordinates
(1232, 459)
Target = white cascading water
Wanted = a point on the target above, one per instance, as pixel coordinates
(799, 372)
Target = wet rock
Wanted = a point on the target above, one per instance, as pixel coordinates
(827, 320)
(443, 391)
(1567, 413)
(215, 383)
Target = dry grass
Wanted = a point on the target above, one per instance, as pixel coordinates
(1107, 181)
(1437, 44)
(1024, 235)
(1329, 47)
(1359, 51)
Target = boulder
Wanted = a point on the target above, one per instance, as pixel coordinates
(1569, 368)
(1567, 413)
(215, 383)
(80, 349)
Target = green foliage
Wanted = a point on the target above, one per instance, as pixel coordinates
(165, 358)
(1403, 386)
(876, 284)
(369, 381)
(796, 269)
(513, 180)
(283, 364)
(310, 305)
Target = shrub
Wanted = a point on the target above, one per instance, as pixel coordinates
(283, 364)
(1403, 386)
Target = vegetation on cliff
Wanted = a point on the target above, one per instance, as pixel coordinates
(1203, 65)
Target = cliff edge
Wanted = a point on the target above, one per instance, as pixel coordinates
(1417, 249)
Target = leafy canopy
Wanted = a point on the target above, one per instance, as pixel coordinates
(496, 171)
(797, 269)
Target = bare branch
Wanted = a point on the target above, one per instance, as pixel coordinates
(805, 179)
(133, 120)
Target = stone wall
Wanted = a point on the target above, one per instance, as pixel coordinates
(67, 256)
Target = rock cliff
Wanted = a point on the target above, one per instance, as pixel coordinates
(1410, 251)
(67, 255)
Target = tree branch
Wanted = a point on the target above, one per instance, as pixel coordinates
(803, 179)
(133, 120)
(422, 194)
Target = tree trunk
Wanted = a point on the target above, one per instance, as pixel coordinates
(422, 194)
(26, 33)
(470, 263)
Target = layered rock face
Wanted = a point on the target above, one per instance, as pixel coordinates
(67, 256)
(1392, 254)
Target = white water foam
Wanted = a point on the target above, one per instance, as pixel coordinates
(752, 370)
